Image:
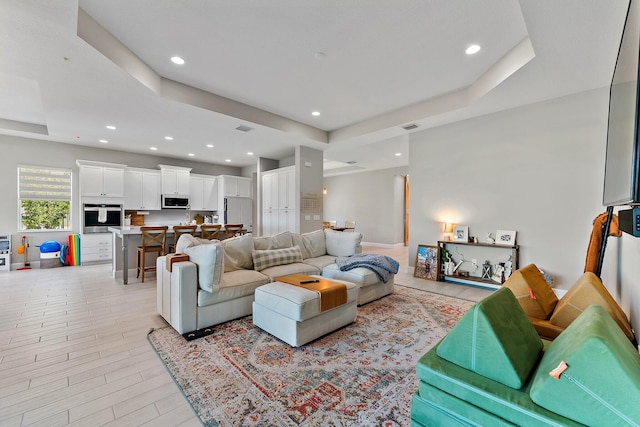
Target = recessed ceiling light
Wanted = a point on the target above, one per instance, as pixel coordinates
(111, 127)
(191, 154)
(315, 113)
(228, 160)
(474, 48)
(209, 145)
(168, 138)
(249, 153)
(398, 154)
(177, 60)
(319, 55)
(153, 148)
(104, 141)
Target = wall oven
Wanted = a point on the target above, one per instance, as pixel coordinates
(98, 217)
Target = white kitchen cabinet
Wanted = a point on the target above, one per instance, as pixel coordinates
(286, 220)
(287, 188)
(276, 221)
(279, 201)
(235, 186)
(175, 180)
(101, 181)
(96, 248)
(270, 191)
(203, 194)
(142, 189)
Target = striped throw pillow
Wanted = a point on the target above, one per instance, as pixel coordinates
(270, 258)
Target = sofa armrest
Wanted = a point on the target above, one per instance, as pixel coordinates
(178, 294)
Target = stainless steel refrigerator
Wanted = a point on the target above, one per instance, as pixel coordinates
(239, 210)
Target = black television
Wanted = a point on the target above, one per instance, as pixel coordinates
(622, 163)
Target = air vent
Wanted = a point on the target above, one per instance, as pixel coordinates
(243, 128)
(352, 162)
(412, 126)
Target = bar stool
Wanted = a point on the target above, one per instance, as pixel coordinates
(211, 231)
(179, 230)
(153, 240)
(231, 230)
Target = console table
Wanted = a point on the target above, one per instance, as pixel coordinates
(480, 252)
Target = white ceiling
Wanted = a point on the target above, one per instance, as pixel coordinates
(369, 67)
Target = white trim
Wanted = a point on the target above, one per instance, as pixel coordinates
(382, 245)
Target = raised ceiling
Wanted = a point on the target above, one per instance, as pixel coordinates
(70, 68)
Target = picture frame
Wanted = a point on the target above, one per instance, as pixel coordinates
(461, 233)
(506, 237)
(427, 263)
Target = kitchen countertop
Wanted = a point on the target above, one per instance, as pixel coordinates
(135, 229)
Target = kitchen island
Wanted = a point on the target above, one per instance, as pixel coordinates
(124, 238)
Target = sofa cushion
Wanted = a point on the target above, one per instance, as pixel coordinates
(288, 269)
(237, 253)
(586, 291)
(320, 261)
(601, 384)
(235, 284)
(277, 241)
(272, 257)
(311, 244)
(208, 257)
(342, 244)
(361, 276)
(494, 339)
(241, 277)
(532, 291)
(515, 406)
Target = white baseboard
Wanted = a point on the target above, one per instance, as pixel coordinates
(383, 245)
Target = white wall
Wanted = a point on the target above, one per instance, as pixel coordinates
(537, 169)
(375, 200)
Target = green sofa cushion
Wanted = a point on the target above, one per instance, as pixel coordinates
(512, 405)
(601, 385)
(431, 404)
(494, 339)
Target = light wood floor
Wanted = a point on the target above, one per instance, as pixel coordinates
(74, 349)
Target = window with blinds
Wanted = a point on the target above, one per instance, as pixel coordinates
(44, 198)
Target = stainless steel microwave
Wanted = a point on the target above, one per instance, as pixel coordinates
(171, 201)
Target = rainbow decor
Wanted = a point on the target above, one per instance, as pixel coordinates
(73, 252)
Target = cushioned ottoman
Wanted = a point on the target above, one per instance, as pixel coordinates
(292, 313)
(371, 287)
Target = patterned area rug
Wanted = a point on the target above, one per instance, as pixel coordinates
(362, 374)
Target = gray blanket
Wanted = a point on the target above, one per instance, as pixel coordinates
(382, 265)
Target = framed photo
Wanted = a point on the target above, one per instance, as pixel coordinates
(505, 237)
(427, 262)
(461, 233)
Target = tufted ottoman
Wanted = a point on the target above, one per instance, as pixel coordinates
(292, 313)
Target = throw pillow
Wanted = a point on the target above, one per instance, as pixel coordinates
(270, 258)
(187, 240)
(237, 253)
(340, 243)
(277, 241)
(209, 258)
(311, 244)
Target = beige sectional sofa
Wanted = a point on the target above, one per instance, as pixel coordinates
(218, 282)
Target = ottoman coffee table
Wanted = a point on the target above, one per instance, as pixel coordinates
(293, 313)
